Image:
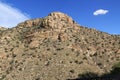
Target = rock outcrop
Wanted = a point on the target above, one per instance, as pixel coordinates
(57, 20)
(30, 23)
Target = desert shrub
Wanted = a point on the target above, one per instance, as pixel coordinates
(3, 76)
(87, 75)
(116, 69)
(115, 72)
(72, 71)
(117, 65)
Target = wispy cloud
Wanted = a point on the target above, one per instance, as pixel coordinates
(10, 16)
(100, 12)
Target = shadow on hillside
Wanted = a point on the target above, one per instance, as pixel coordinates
(113, 75)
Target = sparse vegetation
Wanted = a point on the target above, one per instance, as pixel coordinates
(112, 75)
(55, 47)
(116, 69)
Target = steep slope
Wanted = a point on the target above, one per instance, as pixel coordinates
(55, 48)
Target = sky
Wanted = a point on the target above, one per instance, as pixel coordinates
(103, 15)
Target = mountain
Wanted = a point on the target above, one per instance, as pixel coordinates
(55, 48)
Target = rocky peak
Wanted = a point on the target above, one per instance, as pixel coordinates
(57, 20)
(61, 16)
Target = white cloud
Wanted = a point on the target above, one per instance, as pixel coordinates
(10, 16)
(100, 12)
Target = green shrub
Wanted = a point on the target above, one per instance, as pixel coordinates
(116, 69)
(117, 65)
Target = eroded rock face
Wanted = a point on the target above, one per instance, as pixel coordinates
(57, 20)
(30, 23)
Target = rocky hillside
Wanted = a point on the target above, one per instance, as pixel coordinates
(55, 48)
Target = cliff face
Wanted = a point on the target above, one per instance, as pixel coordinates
(55, 48)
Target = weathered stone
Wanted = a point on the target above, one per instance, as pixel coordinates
(30, 23)
(57, 20)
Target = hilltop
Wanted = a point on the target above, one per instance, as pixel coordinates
(55, 48)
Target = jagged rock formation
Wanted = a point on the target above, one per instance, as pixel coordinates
(55, 48)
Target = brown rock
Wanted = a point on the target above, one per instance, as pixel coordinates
(57, 20)
(63, 37)
(30, 23)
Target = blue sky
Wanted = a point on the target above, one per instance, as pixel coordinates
(104, 15)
